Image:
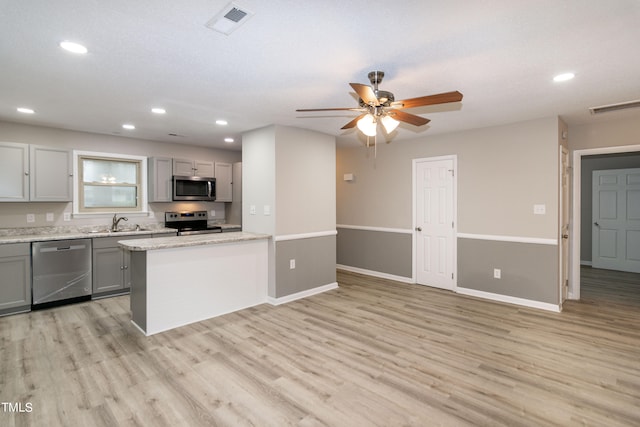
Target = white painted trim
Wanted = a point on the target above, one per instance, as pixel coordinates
(381, 229)
(574, 279)
(285, 237)
(376, 274)
(515, 239)
(509, 299)
(454, 244)
(302, 294)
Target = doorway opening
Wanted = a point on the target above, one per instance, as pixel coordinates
(577, 220)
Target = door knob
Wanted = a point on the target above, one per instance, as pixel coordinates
(418, 228)
(565, 236)
(596, 224)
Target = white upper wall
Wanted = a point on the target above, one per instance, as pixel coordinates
(259, 180)
(502, 172)
(15, 132)
(305, 181)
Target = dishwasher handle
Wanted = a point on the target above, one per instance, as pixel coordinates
(62, 248)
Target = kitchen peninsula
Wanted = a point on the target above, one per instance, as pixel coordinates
(180, 280)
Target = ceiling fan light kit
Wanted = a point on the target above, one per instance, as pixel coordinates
(380, 106)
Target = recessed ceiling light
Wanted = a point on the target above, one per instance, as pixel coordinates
(563, 77)
(228, 140)
(221, 122)
(158, 110)
(25, 110)
(128, 127)
(73, 47)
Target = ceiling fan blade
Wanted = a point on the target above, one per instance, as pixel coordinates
(365, 93)
(329, 109)
(441, 98)
(408, 118)
(353, 122)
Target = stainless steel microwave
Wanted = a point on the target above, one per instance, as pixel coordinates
(194, 188)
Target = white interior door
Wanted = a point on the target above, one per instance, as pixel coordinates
(435, 244)
(616, 220)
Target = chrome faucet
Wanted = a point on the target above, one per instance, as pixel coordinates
(116, 221)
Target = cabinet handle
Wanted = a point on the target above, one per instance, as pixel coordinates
(26, 173)
(121, 267)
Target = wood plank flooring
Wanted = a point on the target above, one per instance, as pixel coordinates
(372, 353)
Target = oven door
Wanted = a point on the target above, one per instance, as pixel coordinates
(194, 188)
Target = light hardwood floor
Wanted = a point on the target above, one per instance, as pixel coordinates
(371, 353)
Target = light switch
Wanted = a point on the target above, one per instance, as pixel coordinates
(539, 209)
(267, 210)
(252, 210)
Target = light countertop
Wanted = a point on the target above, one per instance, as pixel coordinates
(40, 234)
(193, 240)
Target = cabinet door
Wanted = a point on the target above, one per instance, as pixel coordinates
(160, 171)
(51, 174)
(14, 172)
(183, 167)
(204, 169)
(224, 175)
(15, 271)
(107, 269)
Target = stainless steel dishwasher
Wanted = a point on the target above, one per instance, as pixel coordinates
(61, 271)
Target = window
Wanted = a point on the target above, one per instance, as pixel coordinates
(109, 183)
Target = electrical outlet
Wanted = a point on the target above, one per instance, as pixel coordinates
(212, 213)
(66, 216)
(292, 264)
(497, 273)
(267, 210)
(49, 217)
(31, 218)
(539, 209)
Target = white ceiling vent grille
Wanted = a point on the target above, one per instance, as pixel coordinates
(229, 19)
(615, 107)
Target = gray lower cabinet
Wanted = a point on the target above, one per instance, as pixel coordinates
(15, 274)
(111, 266)
(111, 274)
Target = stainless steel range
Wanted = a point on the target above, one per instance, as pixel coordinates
(188, 223)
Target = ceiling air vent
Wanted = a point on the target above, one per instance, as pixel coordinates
(229, 19)
(615, 107)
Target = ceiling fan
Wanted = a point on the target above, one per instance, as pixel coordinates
(380, 106)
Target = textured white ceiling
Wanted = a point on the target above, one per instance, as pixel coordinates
(501, 54)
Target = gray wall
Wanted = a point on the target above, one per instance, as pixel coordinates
(528, 271)
(315, 260)
(590, 164)
(380, 251)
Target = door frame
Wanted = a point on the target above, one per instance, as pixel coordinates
(574, 278)
(454, 243)
(565, 263)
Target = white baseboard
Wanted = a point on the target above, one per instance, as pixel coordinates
(303, 294)
(376, 274)
(509, 299)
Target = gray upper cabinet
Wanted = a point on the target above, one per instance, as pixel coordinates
(51, 177)
(186, 167)
(15, 271)
(36, 173)
(160, 172)
(14, 172)
(224, 177)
